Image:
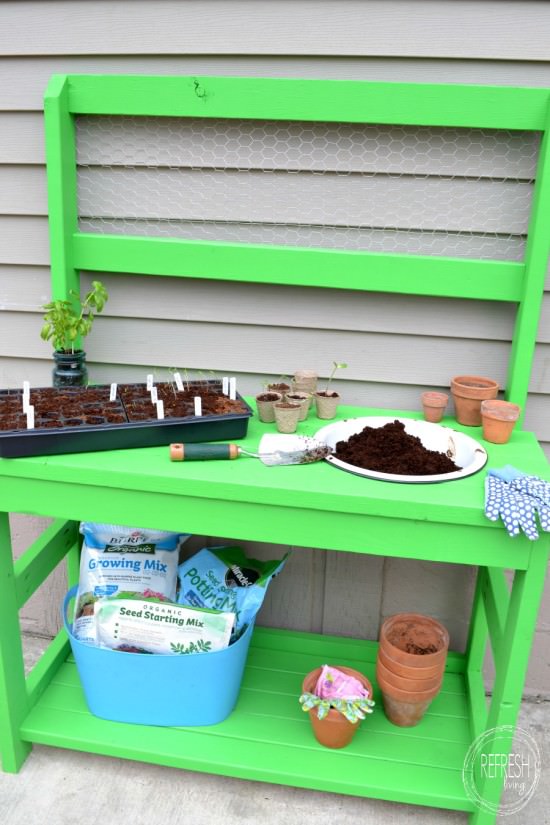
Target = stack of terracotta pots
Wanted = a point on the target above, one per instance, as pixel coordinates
(411, 661)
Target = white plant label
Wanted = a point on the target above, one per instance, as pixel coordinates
(198, 405)
(112, 394)
(225, 385)
(179, 382)
(160, 409)
(30, 417)
(154, 395)
(232, 389)
(150, 381)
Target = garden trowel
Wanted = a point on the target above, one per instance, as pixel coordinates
(273, 450)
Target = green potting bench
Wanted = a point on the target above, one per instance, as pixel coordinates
(268, 737)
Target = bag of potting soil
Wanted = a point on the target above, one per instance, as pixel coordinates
(224, 578)
(136, 625)
(115, 559)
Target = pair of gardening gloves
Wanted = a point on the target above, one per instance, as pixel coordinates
(517, 499)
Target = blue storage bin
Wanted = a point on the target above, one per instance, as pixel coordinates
(159, 689)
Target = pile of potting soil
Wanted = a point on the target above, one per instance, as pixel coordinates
(389, 449)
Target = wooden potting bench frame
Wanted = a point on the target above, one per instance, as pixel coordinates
(267, 737)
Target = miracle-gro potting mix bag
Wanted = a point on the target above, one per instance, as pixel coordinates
(116, 559)
(224, 578)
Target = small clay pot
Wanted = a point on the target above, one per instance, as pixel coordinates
(406, 671)
(334, 731)
(405, 708)
(405, 635)
(405, 683)
(264, 405)
(286, 416)
(301, 398)
(327, 405)
(433, 404)
(305, 381)
(498, 419)
(468, 392)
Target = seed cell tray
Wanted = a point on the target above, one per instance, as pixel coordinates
(83, 419)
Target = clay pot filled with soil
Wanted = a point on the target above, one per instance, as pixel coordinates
(498, 419)
(410, 665)
(468, 392)
(264, 405)
(433, 405)
(327, 404)
(334, 731)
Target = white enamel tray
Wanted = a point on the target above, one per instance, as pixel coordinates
(465, 451)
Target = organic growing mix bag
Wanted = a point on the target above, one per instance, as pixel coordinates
(118, 559)
(224, 578)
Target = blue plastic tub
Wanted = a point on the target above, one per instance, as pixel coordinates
(159, 689)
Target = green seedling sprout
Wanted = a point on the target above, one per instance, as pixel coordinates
(63, 324)
(337, 366)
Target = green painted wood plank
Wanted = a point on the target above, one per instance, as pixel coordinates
(297, 99)
(496, 602)
(296, 266)
(62, 188)
(477, 702)
(536, 262)
(47, 667)
(42, 557)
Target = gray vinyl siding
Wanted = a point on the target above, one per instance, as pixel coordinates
(395, 346)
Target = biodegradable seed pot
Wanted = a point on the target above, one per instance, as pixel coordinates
(286, 416)
(327, 405)
(301, 398)
(433, 404)
(279, 387)
(498, 419)
(264, 405)
(468, 392)
(305, 381)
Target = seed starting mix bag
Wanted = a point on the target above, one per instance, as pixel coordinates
(116, 559)
(224, 578)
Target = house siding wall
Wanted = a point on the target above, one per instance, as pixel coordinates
(394, 346)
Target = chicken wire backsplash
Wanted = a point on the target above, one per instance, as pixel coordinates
(439, 191)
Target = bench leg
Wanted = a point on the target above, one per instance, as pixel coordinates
(13, 691)
(511, 660)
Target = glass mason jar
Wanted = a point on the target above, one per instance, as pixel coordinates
(70, 369)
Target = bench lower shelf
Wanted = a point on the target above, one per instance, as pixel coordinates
(269, 738)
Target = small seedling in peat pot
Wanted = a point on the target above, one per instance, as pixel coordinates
(337, 366)
(63, 324)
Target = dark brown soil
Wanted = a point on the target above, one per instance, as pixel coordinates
(418, 639)
(59, 407)
(389, 449)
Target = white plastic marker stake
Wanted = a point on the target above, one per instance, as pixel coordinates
(112, 394)
(198, 405)
(232, 389)
(179, 382)
(225, 385)
(160, 409)
(30, 417)
(150, 381)
(154, 395)
(26, 395)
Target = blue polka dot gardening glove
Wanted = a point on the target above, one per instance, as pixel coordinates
(517, 499)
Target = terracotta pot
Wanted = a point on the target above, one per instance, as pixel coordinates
(327, 405)
(498, 419)
(405, 708)
(301, 398)
(433, 404)
(334, 731)
(417, 683)
(264, 405)
(403, 634)
(305, 381)
(406, 671)
(286, 416)
(468, 392)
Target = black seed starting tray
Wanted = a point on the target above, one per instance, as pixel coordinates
(84, 419)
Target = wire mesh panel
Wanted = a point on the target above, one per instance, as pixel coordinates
(436, 191)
